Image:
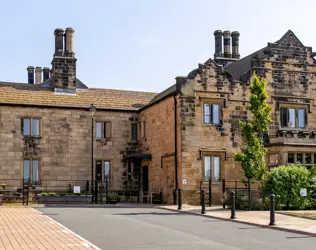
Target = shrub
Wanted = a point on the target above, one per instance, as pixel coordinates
(112, 197)
(285, 182)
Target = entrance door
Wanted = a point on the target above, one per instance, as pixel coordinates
(145, 178)
(98, 171)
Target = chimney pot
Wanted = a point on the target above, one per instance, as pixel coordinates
(218, 43)
(59, 43)
(38, 75)
(69, 41)
(30, 74)
(235, 44)
(45, 74)
(227, 52)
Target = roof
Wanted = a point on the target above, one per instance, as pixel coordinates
(242, 66)
(32, 94)
(172, 89)
(238, 69)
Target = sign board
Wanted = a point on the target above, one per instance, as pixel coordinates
(303, 192)
(184, 181)
(77, 189)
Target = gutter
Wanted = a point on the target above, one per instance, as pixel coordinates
(66, 107)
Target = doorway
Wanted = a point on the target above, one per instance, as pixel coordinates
(98, 170)
(145, 178)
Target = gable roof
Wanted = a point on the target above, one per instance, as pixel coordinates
(243, 66)
(35, 95)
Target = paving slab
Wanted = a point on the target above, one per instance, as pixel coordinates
(27, 228)
(259, 218)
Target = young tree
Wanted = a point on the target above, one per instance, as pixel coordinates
(252, 155)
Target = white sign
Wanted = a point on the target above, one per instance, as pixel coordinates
(303, 192)
(184, 181)
(77, 189)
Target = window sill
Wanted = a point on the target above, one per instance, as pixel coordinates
(31, 137)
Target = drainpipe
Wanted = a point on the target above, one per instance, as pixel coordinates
(175, 143)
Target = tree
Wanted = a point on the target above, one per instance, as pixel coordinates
(252, 155)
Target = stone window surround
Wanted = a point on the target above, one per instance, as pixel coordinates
(313, 158)
(31, 125)
(222, 155)
(295, 106)
(209, 100)
(270, 164)
(31, 169)
(102, 169)
(103, 135)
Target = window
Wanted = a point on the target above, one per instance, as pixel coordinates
(290, 158)
(212, 168)
(30, 127)
(144, 129)
(31, 171)
(211, 114)
(106, 170)
(103, 130)
(134, 132)
(293, 117)
(307, 159)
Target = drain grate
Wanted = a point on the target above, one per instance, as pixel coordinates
(48, 214)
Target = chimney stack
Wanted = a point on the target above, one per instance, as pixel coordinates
(226, 35)
(63, 73)
(30, 75)
(38, 75)
(59, 43)
(69, 41)
(45, 74)
(218, 43)
(235, 44)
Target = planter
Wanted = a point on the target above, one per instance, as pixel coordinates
(65, 199)
(112, 201)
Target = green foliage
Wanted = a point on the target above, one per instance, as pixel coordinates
(112, 197)
(252, 155)
(286, 181)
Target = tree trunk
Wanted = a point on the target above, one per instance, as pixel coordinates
(249, 195)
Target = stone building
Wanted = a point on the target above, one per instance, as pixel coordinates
(179, 138)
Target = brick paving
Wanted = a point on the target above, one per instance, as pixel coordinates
(27, 228)
(260, 218)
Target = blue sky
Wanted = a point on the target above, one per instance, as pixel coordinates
(141, 44)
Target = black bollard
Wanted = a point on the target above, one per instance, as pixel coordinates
(175, 197)
(210, 192)
(272, 210)
(179, 199)
(233, 213)
(203, 201)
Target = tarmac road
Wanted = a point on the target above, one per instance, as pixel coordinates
(135, 228)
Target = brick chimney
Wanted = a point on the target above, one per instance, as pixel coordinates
(235, 44)
(38, 75)
(64, 62)
(30, 75)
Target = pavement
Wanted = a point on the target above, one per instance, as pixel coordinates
(138, 228)
(27, 228)
(258, 218)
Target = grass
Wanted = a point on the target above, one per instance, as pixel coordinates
(302, 215)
